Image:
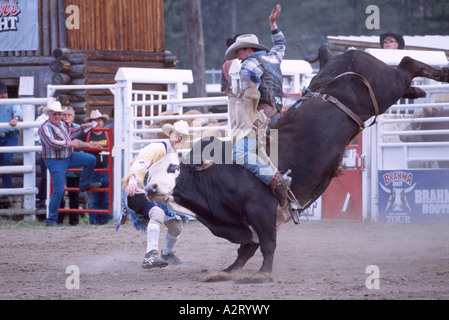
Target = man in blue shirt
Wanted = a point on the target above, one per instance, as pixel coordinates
(8, 137)
(260, 98)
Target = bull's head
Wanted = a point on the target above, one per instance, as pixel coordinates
(162, 177)
(398, 197)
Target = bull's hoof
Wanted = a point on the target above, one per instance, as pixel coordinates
(218, 277)
(260, 277)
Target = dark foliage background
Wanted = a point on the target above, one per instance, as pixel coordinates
(306, 24)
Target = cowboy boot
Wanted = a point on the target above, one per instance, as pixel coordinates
(279, 188)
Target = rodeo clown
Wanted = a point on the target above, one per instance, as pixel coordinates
(149, 215)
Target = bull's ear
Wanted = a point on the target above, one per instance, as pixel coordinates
(324, 55)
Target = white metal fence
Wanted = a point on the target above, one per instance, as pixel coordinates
(29, 149)
(398, 141)
(402, 145)
(28, 169)
(139, 115)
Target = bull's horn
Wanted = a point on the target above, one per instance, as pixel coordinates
(206, 164)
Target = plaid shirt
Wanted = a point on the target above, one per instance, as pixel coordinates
(56, 139)
(251, 70)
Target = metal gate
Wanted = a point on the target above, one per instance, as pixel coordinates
(342, 200)
(28, 169)
(139, 114)
(396, 143)
(410, 140)
(108, 170)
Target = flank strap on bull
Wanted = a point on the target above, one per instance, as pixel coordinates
(327, 97)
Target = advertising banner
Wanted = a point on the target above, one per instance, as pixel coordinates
(19, 25)
(414, 196)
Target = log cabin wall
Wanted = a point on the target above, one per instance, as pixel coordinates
(111, 34)
(118, 25)
(34, 63)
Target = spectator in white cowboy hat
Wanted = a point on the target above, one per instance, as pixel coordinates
(151, 214)
(99, 200)
(59, 155)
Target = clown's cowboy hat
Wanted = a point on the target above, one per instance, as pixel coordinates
(244, 41)
(181, 127)
(96, 114)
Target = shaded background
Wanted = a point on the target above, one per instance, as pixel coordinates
(306, 24)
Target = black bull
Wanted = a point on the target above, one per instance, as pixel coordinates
(235, 205)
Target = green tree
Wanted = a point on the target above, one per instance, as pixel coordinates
(306, 24)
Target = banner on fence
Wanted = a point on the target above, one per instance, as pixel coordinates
(414, 196)
(19, 25)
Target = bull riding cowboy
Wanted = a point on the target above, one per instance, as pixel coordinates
(260, 98)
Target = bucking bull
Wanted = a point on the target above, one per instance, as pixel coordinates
(348, 90)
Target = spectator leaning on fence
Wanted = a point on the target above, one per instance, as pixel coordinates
(73, 178)
(58, 154)
(8, 137)
(42, 195)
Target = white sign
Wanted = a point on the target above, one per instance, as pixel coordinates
(19, 25)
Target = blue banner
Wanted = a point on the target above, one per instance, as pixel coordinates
(414, 196)
(19, 25)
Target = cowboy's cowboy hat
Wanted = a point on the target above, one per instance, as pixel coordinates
(181, 127)
(54, 106)
(96, 114)
(244, 41)
(399, 39)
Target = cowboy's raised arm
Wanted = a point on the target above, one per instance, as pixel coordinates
(277, 37)
(275, 13)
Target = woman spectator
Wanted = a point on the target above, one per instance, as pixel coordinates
(98, 200)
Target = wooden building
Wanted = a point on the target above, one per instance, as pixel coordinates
(82, 42)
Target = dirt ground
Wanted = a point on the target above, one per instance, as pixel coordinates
(314, 260)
